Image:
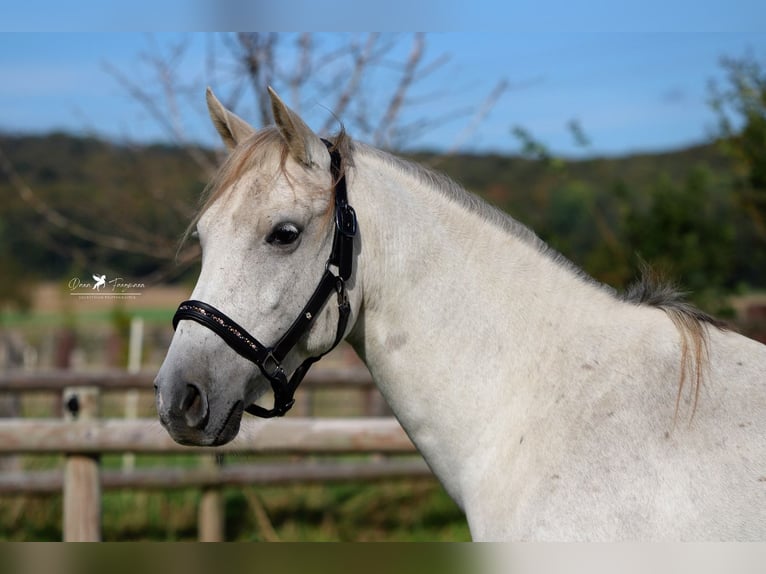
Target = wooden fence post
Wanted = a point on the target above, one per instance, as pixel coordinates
(82, 480)
(210, 519)
(135, 346)
(11, 356)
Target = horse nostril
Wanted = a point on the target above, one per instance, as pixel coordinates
(194, 407)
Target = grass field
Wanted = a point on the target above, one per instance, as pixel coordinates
(394, 510)
(397, 510)
(401, 510)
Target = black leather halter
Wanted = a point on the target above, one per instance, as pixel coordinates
(269, 359)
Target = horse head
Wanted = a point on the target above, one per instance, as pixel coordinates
(269, 233)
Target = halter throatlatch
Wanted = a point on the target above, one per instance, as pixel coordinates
(269, 359)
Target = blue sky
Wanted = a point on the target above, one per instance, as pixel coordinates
(630, 91)
(537, 16)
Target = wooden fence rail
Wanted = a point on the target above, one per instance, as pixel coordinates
(279, 473)
(285, 436)
(84, 437)
(118, 380)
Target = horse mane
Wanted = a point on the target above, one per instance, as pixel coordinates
(654, 290)
(454, 192)
(650, 290)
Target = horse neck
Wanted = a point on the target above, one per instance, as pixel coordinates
(456, 311)
(433, 269)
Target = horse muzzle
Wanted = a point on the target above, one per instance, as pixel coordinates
(186, 412)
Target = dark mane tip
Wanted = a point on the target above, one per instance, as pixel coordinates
(692, 324)
(654, 290)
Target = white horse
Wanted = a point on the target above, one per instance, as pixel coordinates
(548, 406)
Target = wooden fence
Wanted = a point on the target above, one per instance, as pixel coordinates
(81, 437)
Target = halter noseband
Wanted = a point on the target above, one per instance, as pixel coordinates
(269, 359)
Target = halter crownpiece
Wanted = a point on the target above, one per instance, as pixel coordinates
(269, 359)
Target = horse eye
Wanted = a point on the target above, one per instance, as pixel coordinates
(284, 234)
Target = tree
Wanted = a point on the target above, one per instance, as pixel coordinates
(367, 81)
(687, 231)
(740, 106)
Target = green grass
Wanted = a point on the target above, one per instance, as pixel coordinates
(392, 511)
(403, 510)
(396, 510)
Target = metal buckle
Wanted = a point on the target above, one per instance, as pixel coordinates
(276, 371)
(345, 220)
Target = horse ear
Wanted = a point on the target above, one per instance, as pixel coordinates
(305, 146)
(231, 127)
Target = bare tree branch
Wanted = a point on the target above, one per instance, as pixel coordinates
(362, 78)
(361, 62)
(258, 58)
(59, 220)
(302, 70)
(170, 121)
(481, 113)
(385, 128)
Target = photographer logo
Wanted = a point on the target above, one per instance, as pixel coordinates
(101, 287)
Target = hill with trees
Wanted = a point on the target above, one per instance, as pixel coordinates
(71, 204)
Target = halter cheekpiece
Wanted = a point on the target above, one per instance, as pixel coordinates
(269, 359)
